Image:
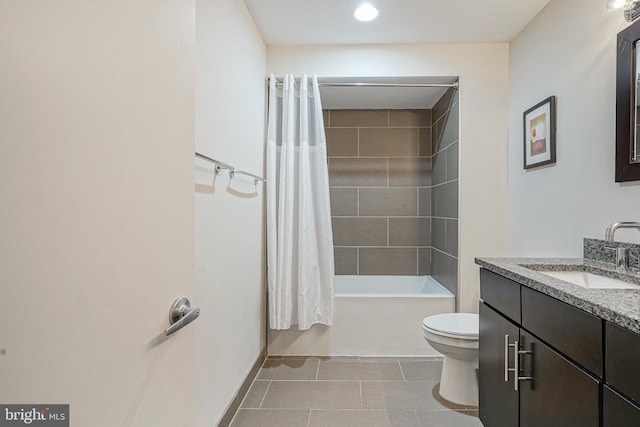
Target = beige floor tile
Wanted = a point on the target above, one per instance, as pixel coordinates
(350, 392)
(289, 369)
(256, 393)
(449, 418)
(399, 395)
(360, 371)
(313, 395)
(270, 418)
(421, 370)
(363, 418)
(445, 404)
(341, 358)
(378, 359)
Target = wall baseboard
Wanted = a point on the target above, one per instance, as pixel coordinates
(233, 407)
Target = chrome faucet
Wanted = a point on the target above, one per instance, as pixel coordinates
(611, 230)
(622, 254)
(622, 257)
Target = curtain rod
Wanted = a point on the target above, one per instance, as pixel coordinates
(356, 84)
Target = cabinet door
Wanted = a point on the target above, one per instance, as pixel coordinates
(559, 394)
(622, 350)
(618, 411)
(498, 400)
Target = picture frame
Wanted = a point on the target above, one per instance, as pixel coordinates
(539, 136)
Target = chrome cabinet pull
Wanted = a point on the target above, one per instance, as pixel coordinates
(516, 365)
(180, 315)
(506, 358)
(516, 362)
(516, 355)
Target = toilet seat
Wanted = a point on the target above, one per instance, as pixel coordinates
(454, 325)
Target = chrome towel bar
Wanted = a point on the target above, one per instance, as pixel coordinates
(232, 169)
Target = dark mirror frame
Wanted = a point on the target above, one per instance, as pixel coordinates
(625, 103)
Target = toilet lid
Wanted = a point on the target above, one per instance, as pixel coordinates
(461, 324)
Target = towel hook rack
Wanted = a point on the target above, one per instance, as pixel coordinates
(232, 169)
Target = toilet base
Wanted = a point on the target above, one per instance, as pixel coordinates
(459, 381)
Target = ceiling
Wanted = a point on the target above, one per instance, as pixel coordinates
(326, 22)
(306, 22)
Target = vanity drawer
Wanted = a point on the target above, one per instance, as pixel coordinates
(500, 293)
(618, 411)
(622, 357)
(573, 332)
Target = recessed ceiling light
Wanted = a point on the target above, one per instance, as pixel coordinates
(365, 13)
(615, 4)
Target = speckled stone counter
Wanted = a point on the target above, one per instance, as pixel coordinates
(619, 306)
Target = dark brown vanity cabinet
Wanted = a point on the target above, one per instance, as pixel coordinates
(618, 411)
(552, 389)
(559, 393)
(623, 358)
(621, 397)
(498, 401)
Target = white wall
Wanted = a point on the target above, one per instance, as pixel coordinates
(483, 124)
(230, 111)
(96, 177)
(569, 50)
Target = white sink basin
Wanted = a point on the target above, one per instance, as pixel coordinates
(590, 280)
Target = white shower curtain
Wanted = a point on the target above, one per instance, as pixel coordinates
(299, 235)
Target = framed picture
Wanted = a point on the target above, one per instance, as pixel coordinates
(540, 134)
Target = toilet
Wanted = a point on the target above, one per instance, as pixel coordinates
(455, 335)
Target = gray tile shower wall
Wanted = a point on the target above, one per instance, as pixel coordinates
(380, 178)
(394, 190)
(444, 191)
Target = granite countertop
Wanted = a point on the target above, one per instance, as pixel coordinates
(619, 306)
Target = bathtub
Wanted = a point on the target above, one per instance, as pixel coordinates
(374, 316)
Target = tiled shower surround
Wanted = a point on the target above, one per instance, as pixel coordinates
(394, 190)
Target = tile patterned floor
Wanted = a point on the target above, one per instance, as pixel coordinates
(350, 392)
